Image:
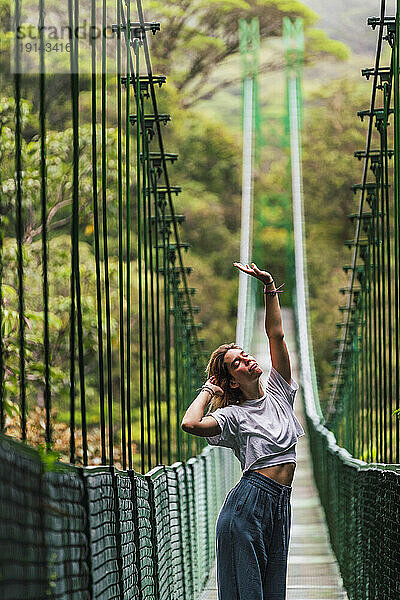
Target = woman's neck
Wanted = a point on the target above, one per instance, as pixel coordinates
(253, 391)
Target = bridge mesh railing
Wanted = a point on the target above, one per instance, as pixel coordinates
(361, 503)
(96, 532)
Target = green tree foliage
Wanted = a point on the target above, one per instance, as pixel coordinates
(197, 36)
(211, 203)
(59, 192)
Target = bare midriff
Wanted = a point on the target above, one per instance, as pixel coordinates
(282, 473)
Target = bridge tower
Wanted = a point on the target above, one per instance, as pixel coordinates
(249, 37)
(293, 37)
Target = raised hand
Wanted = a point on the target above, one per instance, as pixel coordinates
(254, 271)
(212, 383)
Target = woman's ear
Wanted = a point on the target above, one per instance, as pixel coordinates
(233, 383)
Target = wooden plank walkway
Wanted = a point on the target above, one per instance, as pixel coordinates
(313, 572)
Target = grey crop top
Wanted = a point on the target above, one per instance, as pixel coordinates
(261, 432)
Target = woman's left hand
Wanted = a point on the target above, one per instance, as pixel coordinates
(254, 271)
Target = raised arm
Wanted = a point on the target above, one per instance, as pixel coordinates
(273, 321)
(193, 421)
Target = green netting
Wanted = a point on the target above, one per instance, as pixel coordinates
(64, 535)
(23, 555)
(147, 571)
(97, 532)
(362, 508)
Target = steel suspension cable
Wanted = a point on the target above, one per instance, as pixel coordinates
(75, 275)
(19, 225)
(96, 231)
(43, 193)
(105, 231)
(127, 30)
(139, 252)
(396, 226)
(143, 209)
(151, 244)
(120, 244)
(73, 263)
(385, 290)
(157, 217)
(167, 330)
(386, 210)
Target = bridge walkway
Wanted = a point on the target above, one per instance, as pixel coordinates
(313, 573)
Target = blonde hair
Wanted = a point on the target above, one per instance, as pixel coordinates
(217, 368)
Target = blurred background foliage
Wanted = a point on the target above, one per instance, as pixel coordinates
(197, 49)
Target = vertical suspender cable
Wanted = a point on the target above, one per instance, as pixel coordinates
(139, 258)
(19, 224)
(176, 319)
(375, 305)
(97, 242)
(396, 98)
(153, 183)
(384, 293)
(378, 174)
(128, 225)
(120, 242)
(370, 388)
(105, 229)
(167, 320)
(43, 190)
(388, 282)
(75, 226)
(362, 421)
(72, 288)
(151, 243)
(126, 26)
(77, 271)
(145, 191)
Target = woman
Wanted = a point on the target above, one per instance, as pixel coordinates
(253, 525)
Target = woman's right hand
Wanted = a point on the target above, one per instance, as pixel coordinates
(212, 383)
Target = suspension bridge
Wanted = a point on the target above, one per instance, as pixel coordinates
(109, 356)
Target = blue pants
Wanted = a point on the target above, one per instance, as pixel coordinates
(253, 529)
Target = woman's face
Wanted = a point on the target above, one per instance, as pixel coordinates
(241, 366)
